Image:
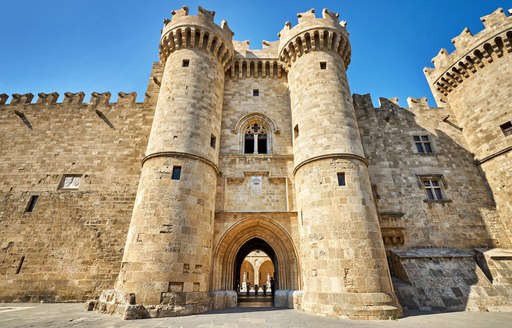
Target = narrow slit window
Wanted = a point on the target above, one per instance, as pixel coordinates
(176, 173)
(323, 65)
(296, 131)
(213, 141)
(341, 179)
(31, 203)
(506, 128)
(186, 63)
(256, 92)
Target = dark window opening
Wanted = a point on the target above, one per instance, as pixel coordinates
(176, 173)
(186, 63)
(249, 144)
(31, 203)
(506, 128)
(213, 141)
(341, 179)
(296, 131)
(262, 144)
(20, 264)
(433, 189)
(392, 271)
(256, 92)
(323, 65)
(422, 144)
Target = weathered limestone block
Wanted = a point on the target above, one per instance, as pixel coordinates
(218, 299)
(73, 98)
(21, 99)
(47, 98)
(3, 98)
(281, 298)
(100, 98)
(126, 98)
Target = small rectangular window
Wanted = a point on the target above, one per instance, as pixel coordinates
(31, 203)
(422, 144)
(213, 141)
(186, 63)
(176, 173)
(256, 92)
(506, 128)
(341, 179)
(433, 187)
(296, 131)
(70, 181)
(323, 65)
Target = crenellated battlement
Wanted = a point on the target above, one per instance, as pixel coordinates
(472, 53)
(70, 98)
(365, 102)
(314, 34)
(184, 31)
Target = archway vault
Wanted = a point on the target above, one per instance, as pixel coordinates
(238, 235)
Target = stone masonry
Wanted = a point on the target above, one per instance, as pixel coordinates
(148, 209)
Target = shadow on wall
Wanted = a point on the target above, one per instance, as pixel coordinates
(443, 208)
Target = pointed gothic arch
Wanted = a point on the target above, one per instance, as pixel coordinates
(243, 233)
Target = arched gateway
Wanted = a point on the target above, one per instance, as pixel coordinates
(247, 235)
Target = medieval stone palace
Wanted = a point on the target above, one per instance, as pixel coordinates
(246, 168)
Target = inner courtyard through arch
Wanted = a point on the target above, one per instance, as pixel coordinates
(255, 274)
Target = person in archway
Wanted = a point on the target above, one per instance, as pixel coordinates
(272, 286)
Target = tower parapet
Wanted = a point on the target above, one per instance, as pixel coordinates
(184, 31)
(326, 33)
(472, 53)
(475, 82)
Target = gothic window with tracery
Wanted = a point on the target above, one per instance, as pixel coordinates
(255, 139)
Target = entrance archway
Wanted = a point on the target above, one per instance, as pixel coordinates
(249, 234)
(253, 245)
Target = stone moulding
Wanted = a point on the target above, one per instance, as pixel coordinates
(330, 156)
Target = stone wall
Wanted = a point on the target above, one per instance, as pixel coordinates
(466, 218)
(70, 246)
(453, 280)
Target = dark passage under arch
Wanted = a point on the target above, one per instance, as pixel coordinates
(248, 247)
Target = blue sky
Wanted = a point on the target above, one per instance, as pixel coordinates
(110, 45)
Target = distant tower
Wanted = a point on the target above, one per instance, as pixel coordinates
(167, 256)
(343, 257)
(476, 82)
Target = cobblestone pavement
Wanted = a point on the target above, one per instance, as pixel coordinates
(74, 315)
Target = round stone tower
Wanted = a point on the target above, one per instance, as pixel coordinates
(343, 257)
(166, 261)
(475, 82)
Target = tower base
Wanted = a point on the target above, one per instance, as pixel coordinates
(123, 304)
(355, 306)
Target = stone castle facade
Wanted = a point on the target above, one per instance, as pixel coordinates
(150, 208)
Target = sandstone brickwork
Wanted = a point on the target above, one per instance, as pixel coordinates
(149, 209)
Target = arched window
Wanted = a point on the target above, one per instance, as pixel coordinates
(256, 132)
(255, 139)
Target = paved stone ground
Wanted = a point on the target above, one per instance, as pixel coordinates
(73, 315)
